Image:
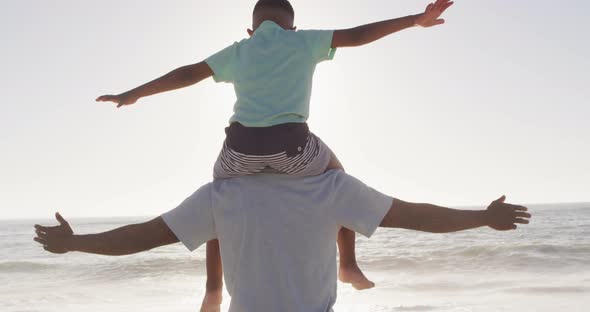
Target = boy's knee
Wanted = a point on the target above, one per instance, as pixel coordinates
(334, 163)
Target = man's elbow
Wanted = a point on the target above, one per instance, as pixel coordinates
(403, 215)
(406, 224)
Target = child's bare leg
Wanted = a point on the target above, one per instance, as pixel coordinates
(214, 288)
(349, 271)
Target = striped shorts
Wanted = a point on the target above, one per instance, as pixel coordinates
(313, 160)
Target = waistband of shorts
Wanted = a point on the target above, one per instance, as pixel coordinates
(289, 137)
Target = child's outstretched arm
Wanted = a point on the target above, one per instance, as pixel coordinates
(176, 79)
(365, 34)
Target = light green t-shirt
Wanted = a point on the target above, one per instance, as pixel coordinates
(272, 73)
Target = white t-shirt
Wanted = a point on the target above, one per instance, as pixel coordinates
(277, 234)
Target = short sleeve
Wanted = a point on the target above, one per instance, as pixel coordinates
(192, 221)
(359, 207)
(320, 44)
(222, 63)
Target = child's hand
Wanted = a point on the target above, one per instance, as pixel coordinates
(430, 17)
(121, 99)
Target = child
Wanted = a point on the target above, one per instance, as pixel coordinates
(272, 73)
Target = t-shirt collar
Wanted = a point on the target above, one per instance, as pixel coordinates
(267, 24)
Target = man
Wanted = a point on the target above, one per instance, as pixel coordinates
(277, 233)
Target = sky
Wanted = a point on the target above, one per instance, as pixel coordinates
(494, 102)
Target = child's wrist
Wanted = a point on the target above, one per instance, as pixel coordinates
(415, 19)
(130, 95)
(127, 94)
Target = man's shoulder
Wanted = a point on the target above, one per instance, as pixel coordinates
(331, 178)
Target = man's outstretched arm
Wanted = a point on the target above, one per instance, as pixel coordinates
(499, 215)
(125, 240)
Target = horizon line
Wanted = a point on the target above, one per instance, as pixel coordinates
(154, 216)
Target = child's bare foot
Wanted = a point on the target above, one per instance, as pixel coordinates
(353, 275)
(212, 301)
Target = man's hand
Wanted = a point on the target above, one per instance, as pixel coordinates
(54, 238)
(503, 217)
(433, 11)
(121, 99)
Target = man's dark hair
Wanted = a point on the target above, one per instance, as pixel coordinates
(277, 4)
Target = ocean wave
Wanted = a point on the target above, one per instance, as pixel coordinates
(550, 290)
(23, 266)
(146, 268)
(525, 256)
(528, 250)
(107, 268)
(416, 308)
(448, 284)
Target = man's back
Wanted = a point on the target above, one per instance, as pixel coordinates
(277, 235)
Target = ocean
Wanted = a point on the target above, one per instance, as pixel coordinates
(544, 266)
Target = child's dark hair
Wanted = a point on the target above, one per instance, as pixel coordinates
(279, 4)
